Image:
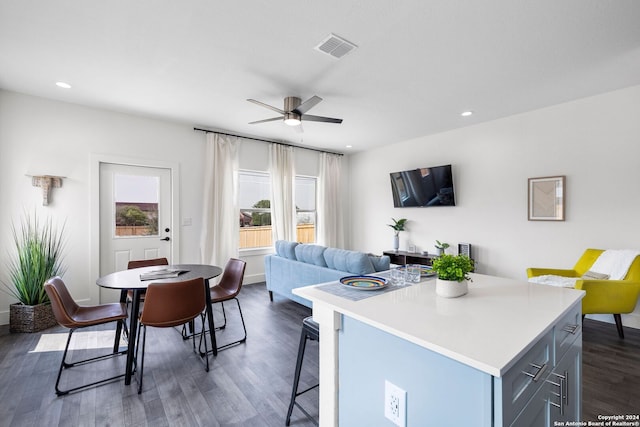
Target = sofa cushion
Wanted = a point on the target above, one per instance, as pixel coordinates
(349, 261)
(379, 262)
(286, 249)
(311, 254)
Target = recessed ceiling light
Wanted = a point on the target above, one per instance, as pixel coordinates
(349, 146)
(466, 113)
(63, 85)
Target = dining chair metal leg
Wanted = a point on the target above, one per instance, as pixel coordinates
(144, 341)
(140, 374)
(224, 317)
(244, 329)
(192, 328)
(66, 365)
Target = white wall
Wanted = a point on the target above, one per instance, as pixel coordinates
(41, 136)
(595, 142)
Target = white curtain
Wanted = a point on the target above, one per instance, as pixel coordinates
(329, 223)
(220, 217)
(283, 207)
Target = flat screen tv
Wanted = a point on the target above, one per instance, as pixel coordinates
(423, 187)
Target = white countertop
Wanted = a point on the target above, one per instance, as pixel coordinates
(488, 329)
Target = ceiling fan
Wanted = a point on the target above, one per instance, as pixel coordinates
(294, 112)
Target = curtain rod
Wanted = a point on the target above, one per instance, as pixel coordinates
(266, 140)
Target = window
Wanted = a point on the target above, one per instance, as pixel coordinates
(136, 210)
(254, 193)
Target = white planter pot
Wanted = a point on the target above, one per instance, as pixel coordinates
(451, 288)
(396, 242)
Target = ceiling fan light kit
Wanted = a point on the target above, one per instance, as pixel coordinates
(292, 119)
(294, 111)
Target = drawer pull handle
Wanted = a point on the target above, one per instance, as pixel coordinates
(538, 374)
(572, 329)
(555, 384)
(563, 396)
(566, 388)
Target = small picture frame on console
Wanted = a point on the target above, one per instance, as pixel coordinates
(464, 249)
(546, 198)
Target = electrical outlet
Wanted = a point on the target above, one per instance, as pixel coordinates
(395, 404)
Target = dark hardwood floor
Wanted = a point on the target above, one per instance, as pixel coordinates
(610, 371)
(249, 384)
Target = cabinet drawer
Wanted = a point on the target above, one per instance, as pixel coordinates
(566, 330)
(521, 382)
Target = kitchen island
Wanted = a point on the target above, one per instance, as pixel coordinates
(507, 353)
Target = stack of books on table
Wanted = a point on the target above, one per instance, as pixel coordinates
(164, 273)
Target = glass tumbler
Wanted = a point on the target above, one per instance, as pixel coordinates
(398, 275)
(413, 273)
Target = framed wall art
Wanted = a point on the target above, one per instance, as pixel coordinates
(546, 198)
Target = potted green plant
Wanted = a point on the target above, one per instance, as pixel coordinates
(453, 275)
(37, 258)
(441, 246)
(398, 226)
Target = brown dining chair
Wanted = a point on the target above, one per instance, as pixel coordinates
(228, 289)
(73, 316)
(147, 263)
(168, 305)
(144, 263)
(139, 264)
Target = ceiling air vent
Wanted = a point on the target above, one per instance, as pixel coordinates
(335, 46)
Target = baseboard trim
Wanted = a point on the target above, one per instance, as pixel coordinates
(253, 278)
(631, 320)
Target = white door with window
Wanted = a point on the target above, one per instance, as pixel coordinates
(135, 217)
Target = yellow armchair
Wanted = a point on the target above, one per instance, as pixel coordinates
(602, 296)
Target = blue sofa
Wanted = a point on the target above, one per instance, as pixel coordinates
(295, 265)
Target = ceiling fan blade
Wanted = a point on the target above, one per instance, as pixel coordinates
(310, 118)
(308, 104)
(273, 119)
(262, 104)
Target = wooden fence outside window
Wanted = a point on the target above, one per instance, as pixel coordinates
(260, 237)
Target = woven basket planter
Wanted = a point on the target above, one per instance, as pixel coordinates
(30, 318)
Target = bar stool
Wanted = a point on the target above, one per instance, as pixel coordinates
(310, 331)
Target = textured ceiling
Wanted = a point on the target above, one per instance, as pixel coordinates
(418, 65)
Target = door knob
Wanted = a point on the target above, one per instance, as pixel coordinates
(166, 239)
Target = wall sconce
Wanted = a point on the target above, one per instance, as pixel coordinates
(46, 182)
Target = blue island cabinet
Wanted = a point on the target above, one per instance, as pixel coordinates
(506, 354)
(541, 387)
(440, 391)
